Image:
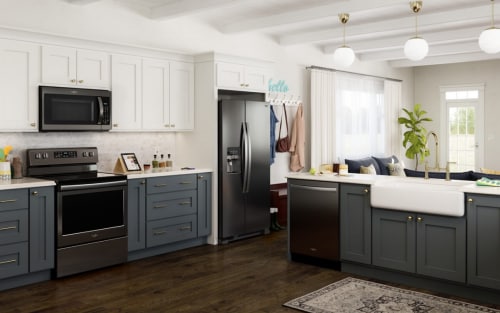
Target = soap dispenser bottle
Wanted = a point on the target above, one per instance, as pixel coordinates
(170, 163)
(162, 164)
(155, 163)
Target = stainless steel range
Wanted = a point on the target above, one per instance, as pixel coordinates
(91, 208)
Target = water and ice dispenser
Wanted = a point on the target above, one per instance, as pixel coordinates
(233, 160)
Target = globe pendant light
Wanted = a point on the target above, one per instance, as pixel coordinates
(344, 55)
(416, 48)
(489, 40)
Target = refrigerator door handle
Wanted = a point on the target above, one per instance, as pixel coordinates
(246, 157)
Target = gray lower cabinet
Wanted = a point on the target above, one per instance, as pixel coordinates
(426, 244)
(42, 228)
(136, 206)
(483, 240)
(168, 209)
(26, 231)
(355, 221)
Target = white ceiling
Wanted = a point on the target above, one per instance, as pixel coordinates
(377, 29)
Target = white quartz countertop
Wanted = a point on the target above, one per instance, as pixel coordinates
(365, 179)
(169, 173)
(26, 182)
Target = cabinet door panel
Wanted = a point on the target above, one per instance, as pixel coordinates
(155, 95)
(441, 247)
(92, 69)
(19, 80)
(483, 241)
(256, 78)
(230, 76)
(42, 229)
(355, 225)
(204, 197)
(58, 65)
(181, 96)
(136, 214)
(127, 92)
(393, 235)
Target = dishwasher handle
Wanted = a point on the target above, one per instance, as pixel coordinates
(329, 189)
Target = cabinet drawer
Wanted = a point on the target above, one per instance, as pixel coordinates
(13, 226)
(13, 199)
(171, 204)
(170, 230)
(171, 183)
(13, 260)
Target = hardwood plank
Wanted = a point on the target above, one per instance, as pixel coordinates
(251, 275)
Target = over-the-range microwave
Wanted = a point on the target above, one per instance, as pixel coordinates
(74, 109)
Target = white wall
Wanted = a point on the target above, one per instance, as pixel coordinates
(429, 79)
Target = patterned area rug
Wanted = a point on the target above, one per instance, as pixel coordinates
(356, 295)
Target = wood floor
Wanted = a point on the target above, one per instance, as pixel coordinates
(251, 275)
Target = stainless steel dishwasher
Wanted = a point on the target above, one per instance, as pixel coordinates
(313, 210)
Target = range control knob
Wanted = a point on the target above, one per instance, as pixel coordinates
(91, 154)
(85, 154)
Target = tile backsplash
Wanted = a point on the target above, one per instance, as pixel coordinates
(109, 144)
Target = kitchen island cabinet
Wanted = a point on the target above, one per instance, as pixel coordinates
(426, 244)
(483, 240)
(355, 221)
(168, 213)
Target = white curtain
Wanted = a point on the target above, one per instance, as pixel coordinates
(353, 116)
(322, 117)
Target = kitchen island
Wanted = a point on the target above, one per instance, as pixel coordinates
(455, 253)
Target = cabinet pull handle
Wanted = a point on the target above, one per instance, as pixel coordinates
(469, 200)
(160, 185)
(8, 228)
(185, 228)
(80, 81)
(159, 233)
(185, 203)
(366, 190)
(410, 218)
(185, 182)
(242, 85)
(420, 220)
(8, 261)
(115, 125)
(200, 177)
(73, 80)
(34, 193)
(160, 206)
(33, 124)
(8, 201)
(143, 182)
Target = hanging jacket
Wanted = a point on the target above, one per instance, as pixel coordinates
(273, 120)
(298, 140)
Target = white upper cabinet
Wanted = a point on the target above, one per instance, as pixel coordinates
(181, 96)
(155, 95)
(19, 79)
(74, 67)
(126, 79)
(234, 76)
(167, 95)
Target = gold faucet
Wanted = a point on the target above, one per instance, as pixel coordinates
(426, 173)
(447, 177)
(436, 164)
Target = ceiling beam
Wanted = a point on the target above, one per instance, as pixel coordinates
(179, 8)
(438, 20)
(309, 14)
(446, 59)
(81, 2)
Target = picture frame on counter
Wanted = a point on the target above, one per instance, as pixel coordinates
(131, 163)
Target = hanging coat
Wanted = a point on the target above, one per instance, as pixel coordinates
(297, 144)
(273, 120)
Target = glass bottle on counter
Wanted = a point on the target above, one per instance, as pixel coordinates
(170, 163)
(154, 163)
(17, 168)
(162, 164)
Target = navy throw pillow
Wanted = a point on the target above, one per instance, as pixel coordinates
(382, 163)
(354, 165)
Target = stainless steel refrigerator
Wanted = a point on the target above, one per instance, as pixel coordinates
(244, 169)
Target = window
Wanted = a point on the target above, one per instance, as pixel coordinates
(462, 120)
(360, 116)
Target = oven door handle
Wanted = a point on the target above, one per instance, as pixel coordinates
(93, 185)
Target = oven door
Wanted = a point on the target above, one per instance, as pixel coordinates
(91, 212)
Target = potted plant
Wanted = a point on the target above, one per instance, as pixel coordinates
(414, 138)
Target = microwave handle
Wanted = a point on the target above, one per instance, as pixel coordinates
(101, 110)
